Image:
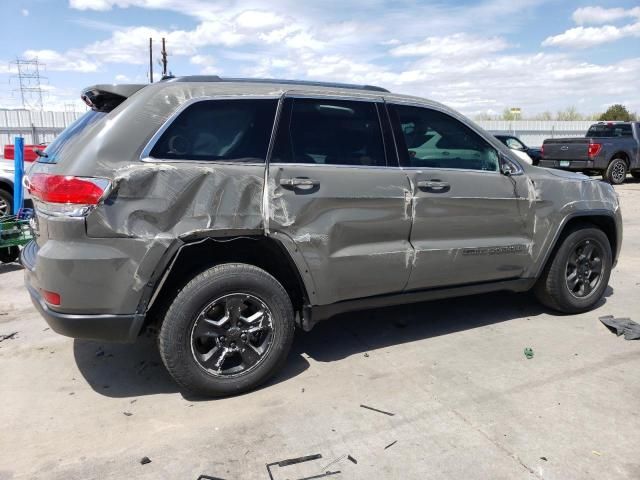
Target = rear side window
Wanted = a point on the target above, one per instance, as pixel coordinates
(610, 130)
(70, 135)
(223, 130)
(436, 140)
(329, 132)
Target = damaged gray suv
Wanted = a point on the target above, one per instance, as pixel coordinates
(225, 213)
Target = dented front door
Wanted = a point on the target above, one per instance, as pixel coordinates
(339, 200)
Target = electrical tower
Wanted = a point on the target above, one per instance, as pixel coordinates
(28, 75)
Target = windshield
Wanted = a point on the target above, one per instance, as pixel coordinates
(607, 130)
(69, 135)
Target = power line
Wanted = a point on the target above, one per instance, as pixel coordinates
(29, 79)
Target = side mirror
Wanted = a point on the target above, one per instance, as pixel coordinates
(507, 168)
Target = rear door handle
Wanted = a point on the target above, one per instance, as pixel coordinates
(435, 185)
(299, 182)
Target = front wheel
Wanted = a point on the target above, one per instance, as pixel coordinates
(576, 278)
(227, 331)
(616, 172)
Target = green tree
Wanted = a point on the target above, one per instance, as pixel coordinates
(543, 116)
(617, 112)
(569, 114)
(507, 114)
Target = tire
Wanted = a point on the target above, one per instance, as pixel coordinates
(6, 202)
(9, 254)
(616, 172)
(552, 288)
(195, 326)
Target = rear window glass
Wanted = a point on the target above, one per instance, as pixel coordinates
(70, 135)
(330, 132)
(224, 130)
(610, 130)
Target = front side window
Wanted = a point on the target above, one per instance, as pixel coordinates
(436, 140)
(219, 130)
(329, 132)
(514, 144)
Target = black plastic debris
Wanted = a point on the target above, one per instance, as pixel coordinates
(391, 444)
(351, 459)
(377, 410)
(622, 326)
(9, 336)
(291, 461)
(145, 460)
(127, 414)
(544, 458)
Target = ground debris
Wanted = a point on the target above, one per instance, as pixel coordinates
(544, 458)
(145, 460)
(391, 444)
(9, 336)
(127, 414)
(528, 352)
(351, 459)
(377, 410)
(366, 355)
(622, 326)
(99, 352)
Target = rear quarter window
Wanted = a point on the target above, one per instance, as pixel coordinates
(219, 130)
(70, 135)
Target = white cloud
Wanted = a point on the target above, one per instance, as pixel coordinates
(258, 20)
(585, 37)
(24, 12)
(69, 61)
(599, 15)
(122, 78)
(206, 64)
(459, 45)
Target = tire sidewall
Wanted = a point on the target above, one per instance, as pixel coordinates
(610, 168)
(565, 297)
(9, 199)
(175, 333)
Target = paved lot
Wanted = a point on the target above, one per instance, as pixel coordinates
(466, 401)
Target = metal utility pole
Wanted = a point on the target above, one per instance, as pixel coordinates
(164, 59)
(28, 75)
(150, 60)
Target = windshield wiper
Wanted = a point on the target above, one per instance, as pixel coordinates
(40, 153)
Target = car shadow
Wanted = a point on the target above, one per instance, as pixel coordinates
(132, 370)
(10, 267)
(359, 332)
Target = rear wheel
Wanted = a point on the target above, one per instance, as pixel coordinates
(575, 279)
(228, 331)
(9, 254)
(6, 203)
(616, 171)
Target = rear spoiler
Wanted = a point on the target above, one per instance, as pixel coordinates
(104, 98)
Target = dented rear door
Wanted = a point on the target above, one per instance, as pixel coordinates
(336, 194)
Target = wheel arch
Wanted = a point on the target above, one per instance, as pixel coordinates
(187, 258)
(623, 155)
(604, 220)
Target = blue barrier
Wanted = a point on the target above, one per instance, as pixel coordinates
(18, 161)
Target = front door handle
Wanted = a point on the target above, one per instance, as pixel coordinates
(435, 185)
(299, 182)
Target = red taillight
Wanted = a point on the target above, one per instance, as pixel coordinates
(542, 151)
(52, 298)
(66, 195)
(66, 189)
(594, 149)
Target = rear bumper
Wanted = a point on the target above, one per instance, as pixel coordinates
(575, 165)
(108, 327)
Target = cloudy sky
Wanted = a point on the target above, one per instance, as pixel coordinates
(476, 56)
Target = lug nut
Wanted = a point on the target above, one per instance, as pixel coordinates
(233, 345)
(221, 338)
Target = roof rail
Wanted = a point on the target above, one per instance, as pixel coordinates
(216, 78)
